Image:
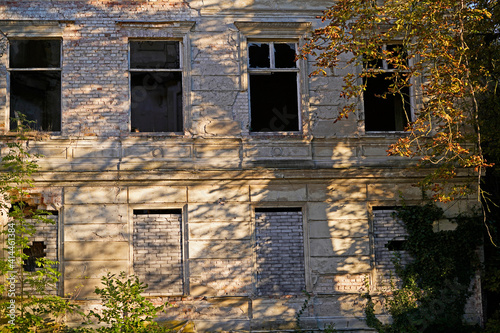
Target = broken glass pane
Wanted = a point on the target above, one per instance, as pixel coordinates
(397, 52)
(284, 55)
(34, 252)
(36, 95)
(156, 102)
(274, 103)
(385, 114)
(154, 55)
(258, 54)
(35, 53)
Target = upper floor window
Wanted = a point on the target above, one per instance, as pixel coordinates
(274, 93)
(156, 86)
(384, 110)
(35, 83)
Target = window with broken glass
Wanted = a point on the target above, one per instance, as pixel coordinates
(386, 110)
(156, 86)
(274, 93)
(35, 83)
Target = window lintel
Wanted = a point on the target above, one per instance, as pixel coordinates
(273, 29)
(177, 28)
(33, 28)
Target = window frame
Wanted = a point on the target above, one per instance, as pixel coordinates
(287, 32)
(386, 70)
(272, 69)
(10, 70)
(180, 70)
(183, 240)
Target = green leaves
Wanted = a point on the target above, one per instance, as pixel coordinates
(125, 309)
(447, 65)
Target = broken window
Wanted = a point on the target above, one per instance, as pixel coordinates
(156, 86)
(385, 111)
(274, 100)
(34, 252)
(35, 83)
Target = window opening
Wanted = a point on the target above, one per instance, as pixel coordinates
(156, 86)
(274, 102)
(396, 245)
(34, 252)
(385, 111)
(157, 211)
(35, 83)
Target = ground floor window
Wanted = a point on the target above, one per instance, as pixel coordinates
(280, 251)
(158, 249)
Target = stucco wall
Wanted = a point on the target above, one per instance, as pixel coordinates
(216, 174)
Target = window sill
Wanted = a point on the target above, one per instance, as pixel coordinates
(386, 133)
(34, 134)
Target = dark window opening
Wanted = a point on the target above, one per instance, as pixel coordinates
(284, 55)
(386, 207)
(277, 209)
(36, 96)
(154, 55)
(157, 211)
(258, 54)
(396, 245)
(27, 210)
(35, 84)
(34, 252)
(383, 111)
(386, 111)
(273, 100)
(25, 53)
(156, 86)
(156, 102)
(274, 104)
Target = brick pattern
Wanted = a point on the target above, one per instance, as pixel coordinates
(46, 233)
(280, 253)
(385, 229)
(223, 276)
(349, 283)
(95, 87)
(158, 252)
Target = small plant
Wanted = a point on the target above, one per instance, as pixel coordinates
(125, 310)
(29, 302)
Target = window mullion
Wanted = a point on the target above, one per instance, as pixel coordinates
(271, 55)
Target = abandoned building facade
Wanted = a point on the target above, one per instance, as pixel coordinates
(184, 143)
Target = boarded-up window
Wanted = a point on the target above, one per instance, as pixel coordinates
(280, 251)
(389, 237)
(273, 87)
(158, 250)
(385, 111)
(35, 83)
(156, 86)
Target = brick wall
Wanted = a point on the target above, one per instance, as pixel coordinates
(158, 252)
(387, 228)
(280, 252)
(47, 234)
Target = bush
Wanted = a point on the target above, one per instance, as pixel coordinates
(125, 310)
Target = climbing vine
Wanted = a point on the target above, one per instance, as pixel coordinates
(435, 285)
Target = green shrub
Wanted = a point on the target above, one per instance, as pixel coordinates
(125, 310)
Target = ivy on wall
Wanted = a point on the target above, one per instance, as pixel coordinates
(435, 285)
